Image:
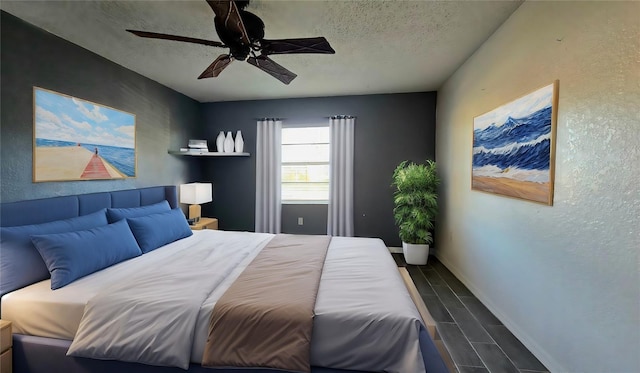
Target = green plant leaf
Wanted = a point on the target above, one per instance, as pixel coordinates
(416, 200)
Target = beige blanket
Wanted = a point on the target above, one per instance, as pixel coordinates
(265, 318)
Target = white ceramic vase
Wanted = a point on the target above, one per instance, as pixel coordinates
(239, 142)
(228, 143)
(415, 254)
(220, 142)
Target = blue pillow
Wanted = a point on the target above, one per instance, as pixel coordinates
(153, 231)
(115, 215)
(72, 255)
(20, 263)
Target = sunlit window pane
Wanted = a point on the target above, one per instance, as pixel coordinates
(305, 153)
(306, 135)
(305, 192)
(305, 173)
(305, 165)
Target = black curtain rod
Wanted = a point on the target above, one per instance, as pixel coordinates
(268, 118)
(331, 117)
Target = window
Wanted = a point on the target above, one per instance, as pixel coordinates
(305, 165)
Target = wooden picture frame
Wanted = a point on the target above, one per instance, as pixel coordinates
(514, 147)
(75, 139)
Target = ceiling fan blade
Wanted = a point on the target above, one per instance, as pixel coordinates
(300, 45)
(228, 12)
(216, 66)
(269, 66)
(155, 35)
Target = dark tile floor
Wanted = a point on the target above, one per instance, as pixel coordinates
(477, 341)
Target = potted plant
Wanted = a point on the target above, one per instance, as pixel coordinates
(416, 206)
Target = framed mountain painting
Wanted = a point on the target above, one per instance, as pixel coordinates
(514, 147)
(76, 139)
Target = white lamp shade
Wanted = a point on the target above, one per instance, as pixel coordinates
(196, 193)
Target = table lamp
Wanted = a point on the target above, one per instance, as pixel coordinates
(194, 194)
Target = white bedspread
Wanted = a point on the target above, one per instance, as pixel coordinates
(158, 313)
(363, 305)
(150, 316)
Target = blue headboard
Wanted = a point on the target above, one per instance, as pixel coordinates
(20, 267)
(44, 210)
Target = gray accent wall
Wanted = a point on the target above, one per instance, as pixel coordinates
(314, 219)
(33, 57)
(390, 128)
(565, 279)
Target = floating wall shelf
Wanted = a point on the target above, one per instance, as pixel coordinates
(208, 154)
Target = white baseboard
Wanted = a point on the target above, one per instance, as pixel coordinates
(540, 353)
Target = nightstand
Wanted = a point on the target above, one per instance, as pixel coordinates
(6, 342)
(205, 223)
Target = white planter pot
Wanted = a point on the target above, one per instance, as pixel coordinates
(415, 254)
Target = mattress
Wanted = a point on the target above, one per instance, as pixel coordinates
(37, 310)
(354, 270)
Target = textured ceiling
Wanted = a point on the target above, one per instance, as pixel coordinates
(381, 46)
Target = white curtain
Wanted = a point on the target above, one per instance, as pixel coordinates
(268, 206)
(340, 217)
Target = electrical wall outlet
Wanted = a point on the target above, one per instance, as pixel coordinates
(300, 221)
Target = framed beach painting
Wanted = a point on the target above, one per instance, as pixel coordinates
(74, 139)
(514, 147)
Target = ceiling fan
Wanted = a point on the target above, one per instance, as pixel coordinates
(243, 33)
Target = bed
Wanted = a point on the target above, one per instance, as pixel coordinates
(152, 311)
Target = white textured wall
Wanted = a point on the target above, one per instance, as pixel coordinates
(565, 279)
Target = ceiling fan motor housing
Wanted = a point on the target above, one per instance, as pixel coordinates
(255, 31)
